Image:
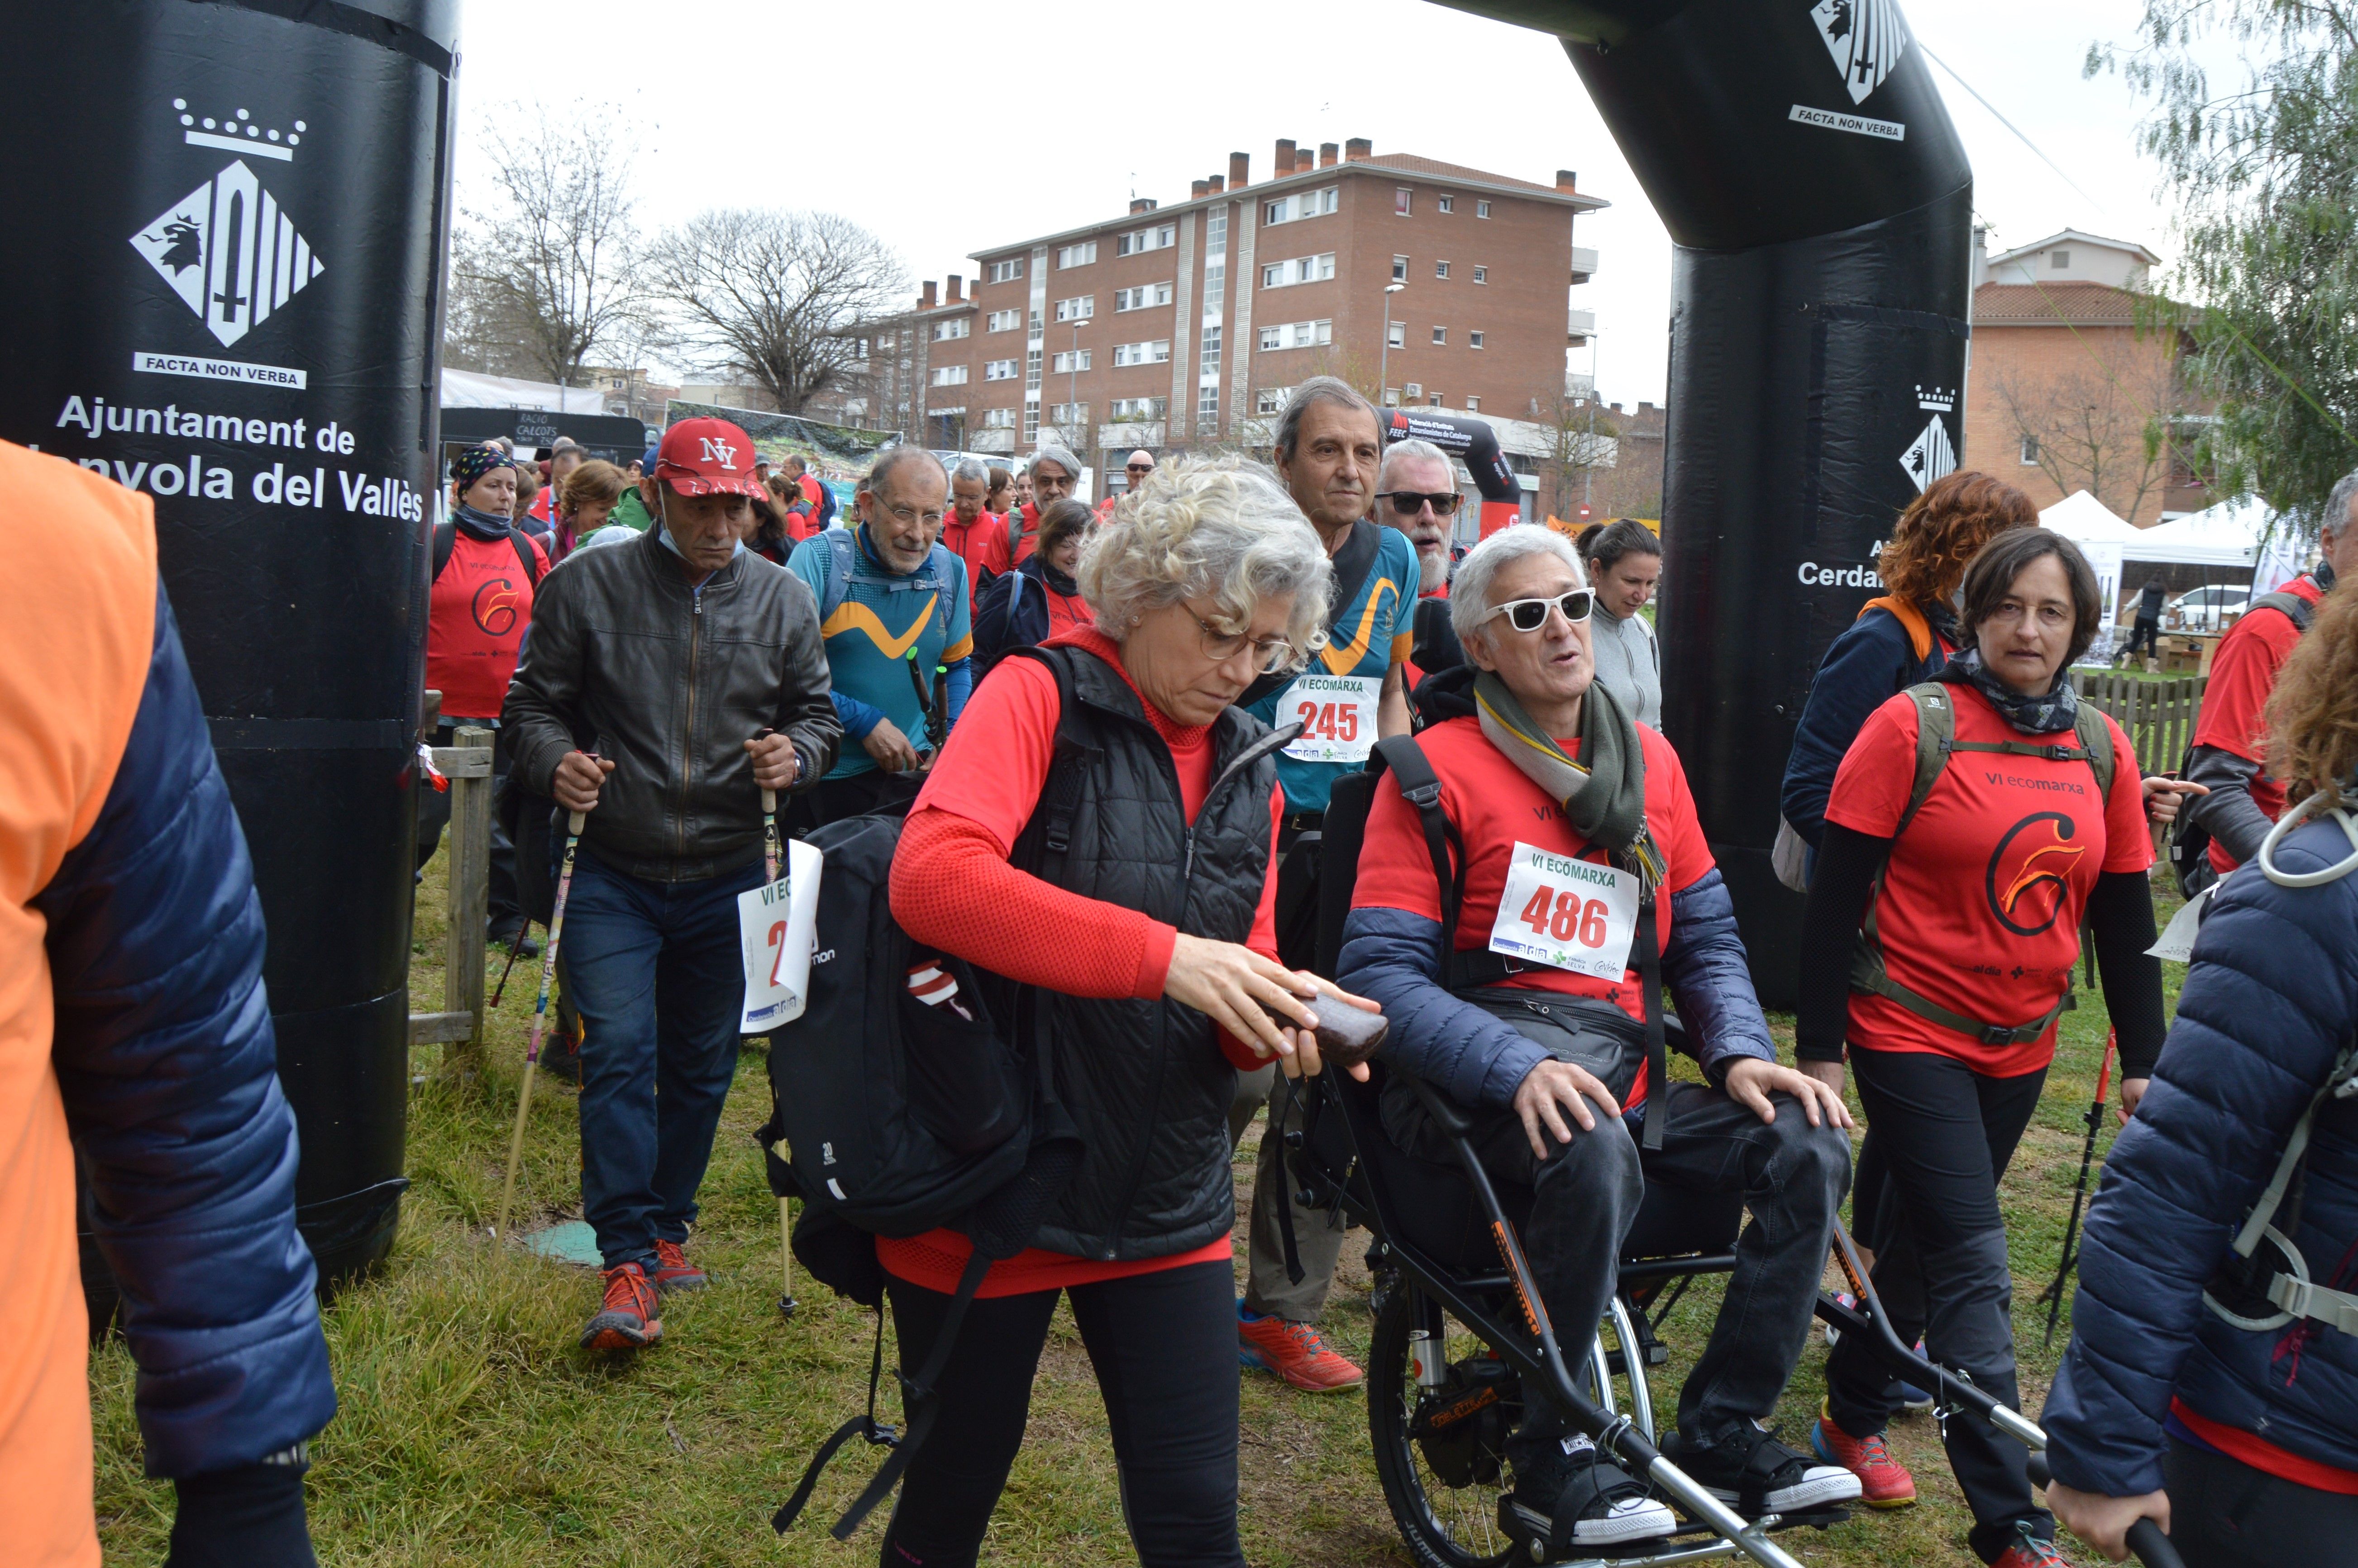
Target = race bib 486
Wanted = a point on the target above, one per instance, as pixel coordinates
(1567, 913)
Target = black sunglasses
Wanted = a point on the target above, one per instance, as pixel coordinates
(1530, 614)
(1408, 502)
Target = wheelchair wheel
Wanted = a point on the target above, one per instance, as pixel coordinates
(1440, 1447)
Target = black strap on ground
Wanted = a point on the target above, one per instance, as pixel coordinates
(1657, 1055)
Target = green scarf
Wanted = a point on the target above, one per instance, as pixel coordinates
(1604, 801)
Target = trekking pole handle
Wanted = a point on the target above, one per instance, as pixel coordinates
(2145, 1537)
(573, 824)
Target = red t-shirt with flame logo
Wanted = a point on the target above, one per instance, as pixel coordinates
(481, 604)
(1981, 903)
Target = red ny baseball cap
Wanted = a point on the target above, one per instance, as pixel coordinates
(707, 457)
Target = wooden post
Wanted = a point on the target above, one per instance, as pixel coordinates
(469, 766)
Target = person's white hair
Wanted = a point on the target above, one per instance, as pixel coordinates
(1221, 529)
(1469, 590)
(2336, 517)
(1053, 453)
(1418, 447)
(971, 469)
(894, 457)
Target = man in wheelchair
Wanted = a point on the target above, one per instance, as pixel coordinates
(1516, 924)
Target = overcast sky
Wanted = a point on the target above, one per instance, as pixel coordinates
(947, 128)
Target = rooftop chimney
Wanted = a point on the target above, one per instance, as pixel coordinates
(1240, 170)
(1358, 150)
(1140, 204)
(926, 299)
(958, 289)
(1566, 181)
(1218, 184)
(1284, 163)
(1328, 153)
(1201, 189)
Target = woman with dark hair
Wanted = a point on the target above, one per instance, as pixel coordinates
(1624, 566)
(1038, 600)
(767, 535)
(2147, 627)
(1979, 821)
(2198, 1389)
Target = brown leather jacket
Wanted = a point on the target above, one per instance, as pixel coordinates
(669, 683)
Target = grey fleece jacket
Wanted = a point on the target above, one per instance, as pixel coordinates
(1628, 664)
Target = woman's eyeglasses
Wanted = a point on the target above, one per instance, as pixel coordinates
(1409, 502)
(1530, 614)
(1269, 654)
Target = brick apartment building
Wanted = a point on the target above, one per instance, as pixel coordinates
(1186, 326)
(2065, 390)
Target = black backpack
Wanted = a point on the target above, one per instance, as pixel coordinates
(891, 1116)
(2190, 841)
(446, 540)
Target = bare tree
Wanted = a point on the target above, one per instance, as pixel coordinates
(769, 295)
(2105, 425)
(546, 272)
(1583, 441)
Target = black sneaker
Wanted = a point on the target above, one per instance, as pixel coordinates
(1755, 1475)
(1571, 1496)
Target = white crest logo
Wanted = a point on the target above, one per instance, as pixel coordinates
(721, 452)
(225, 248)
(1865, 38)
(1931, 456)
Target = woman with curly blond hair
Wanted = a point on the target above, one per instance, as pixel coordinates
(2212, 1384)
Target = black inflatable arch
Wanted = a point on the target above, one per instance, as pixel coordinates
(1474, 443)
(1822, 206)
(231, 299)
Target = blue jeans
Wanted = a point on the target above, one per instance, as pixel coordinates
(653, 971)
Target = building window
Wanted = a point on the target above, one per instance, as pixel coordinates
(2062, 260)
(998, 370)
(1031, 423)
(950, 376)
(1308, 204)
(1139, 407)
(1298, 335)
(1207, 363)
(1473, 339)
(1270, 399)
(1080, 308)
(1302, 269)
(1396, 334)
(1215, 232)
(1081, 255)
(1441, 269)
(1031, 370)
(1208, 404)
(958, 329)
(1401, 199)
(1400, 269)
(1216, 288)
(1481, 208)
(999, 418)
(1069, 413)
(2031, 451)
(1003, 321)
(1154, 353)
(1007, 271)
(1473, 405)
(1446, 203)
(1440, 335)
(1432, 400)
(1068, 361)
(1481, 275)
(1144, 297)
(1157, 238)
(1391, 398)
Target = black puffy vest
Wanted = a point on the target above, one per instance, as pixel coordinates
(1145, 1081)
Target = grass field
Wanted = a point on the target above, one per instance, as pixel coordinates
(472, 1431)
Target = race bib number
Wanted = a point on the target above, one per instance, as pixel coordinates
(1567, 913)
(1337, 714)
(776, 930)
(2176, 943)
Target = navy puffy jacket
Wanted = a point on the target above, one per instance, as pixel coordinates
(1871, 663)
(169, 1068)
(2269, 1002)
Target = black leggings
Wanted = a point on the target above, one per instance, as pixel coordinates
(2224, 1514)
(1165, 1347)
(2147, 632)
(1944, 1134)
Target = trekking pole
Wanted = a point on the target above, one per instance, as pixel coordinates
(785, 1215)
(2053, 1295)
(539, 1019)
(508, 968)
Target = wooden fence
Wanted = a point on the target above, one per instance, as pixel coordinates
(2160, 715)
(459, 1027)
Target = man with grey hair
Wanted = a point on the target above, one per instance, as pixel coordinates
(972, 532)
(896, 616)
(1329, 446)
(2230, 737)
(1535, 1004)
(1418, 486)
(1055, 473)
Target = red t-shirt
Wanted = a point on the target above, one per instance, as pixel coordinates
(481, 605)
(1494, 805)
(953, 889)
(981, 545)
(2263, 1455)
(1023, 547)
(2243, 673)
(1980, 902)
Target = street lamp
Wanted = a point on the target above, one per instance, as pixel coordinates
(1384, 360)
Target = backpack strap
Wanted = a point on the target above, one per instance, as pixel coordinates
(1354, 564)
(1919, 630)
(2242, 1279)
(2292, 606)
(1015, 534)
(445, 543)
(525, 555)
(446, 539)
(842, 557)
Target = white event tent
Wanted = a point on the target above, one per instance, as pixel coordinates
(2101, 534)
(473, 389)
(2227, 535)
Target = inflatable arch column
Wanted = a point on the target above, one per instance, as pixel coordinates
(230, 298)
(1474, 443)
(1822, 208)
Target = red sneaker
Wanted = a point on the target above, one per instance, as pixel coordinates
(2031, 1551)
(627, 1321)
(675, 1272)
(1883, 1481)
(1295, 1352)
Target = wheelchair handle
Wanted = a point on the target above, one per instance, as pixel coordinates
(2145, 1539)
(1451, 1121)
